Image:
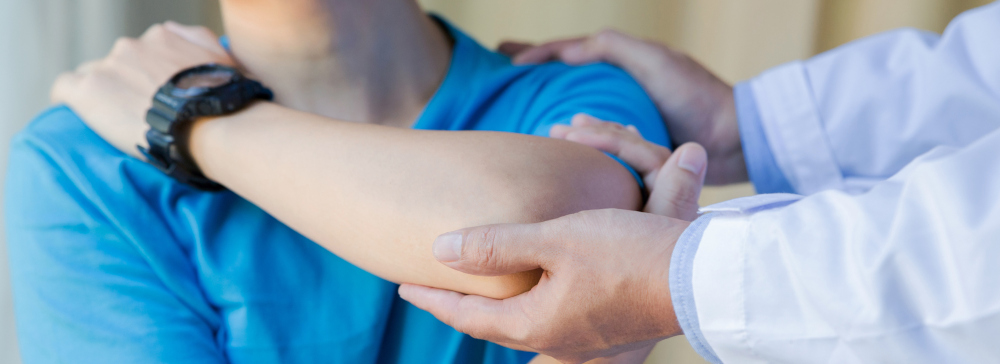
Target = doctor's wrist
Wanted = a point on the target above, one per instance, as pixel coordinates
(726, 162)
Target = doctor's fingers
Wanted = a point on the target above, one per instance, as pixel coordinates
(499, 321)
(679, 183)
(497, 249)
(523, 53)
(625, 142)
(639, 57)
(511, 48)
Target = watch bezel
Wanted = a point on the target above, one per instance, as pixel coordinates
(171, 115)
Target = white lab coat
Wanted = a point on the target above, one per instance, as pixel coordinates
(893, 253)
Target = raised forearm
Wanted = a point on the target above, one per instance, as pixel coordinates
(378, 196)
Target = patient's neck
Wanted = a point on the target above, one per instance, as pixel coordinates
(373, 61)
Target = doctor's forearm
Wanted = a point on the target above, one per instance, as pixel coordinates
(378, 196)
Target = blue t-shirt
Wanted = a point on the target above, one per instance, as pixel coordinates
(114, 262)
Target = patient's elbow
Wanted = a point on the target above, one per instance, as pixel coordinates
(600, 184)
(592, 181)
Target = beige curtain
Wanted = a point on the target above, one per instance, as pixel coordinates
(735, 38)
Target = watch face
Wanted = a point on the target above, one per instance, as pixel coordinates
(197, 82)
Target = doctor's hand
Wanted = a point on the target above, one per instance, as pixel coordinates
(604, 290)
(112, 95)
(697, 106)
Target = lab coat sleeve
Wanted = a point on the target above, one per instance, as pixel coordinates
(904, 273)
(852, 117)
(763, 169)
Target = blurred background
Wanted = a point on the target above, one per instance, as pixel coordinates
(735, 38)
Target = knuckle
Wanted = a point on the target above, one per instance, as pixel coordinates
(123, 45)
(86, 82)
(601, 40)
(485, 252)
(682, 195)
(156, 30)
(204, 31)
(57, 93)
(607, 36)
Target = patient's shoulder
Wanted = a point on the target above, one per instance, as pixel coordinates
(53, 163)
(594, 72)
(601, 90)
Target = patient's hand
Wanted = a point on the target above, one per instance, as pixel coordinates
(625, 142)
(112, 94)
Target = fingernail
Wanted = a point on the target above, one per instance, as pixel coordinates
(448, 247)
(692, 162)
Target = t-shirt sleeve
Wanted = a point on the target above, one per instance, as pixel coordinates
(84, 293)
(602, 91)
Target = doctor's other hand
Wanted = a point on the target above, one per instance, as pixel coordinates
(697, 106)
(604, 290)
(673, 184)
(112, 95)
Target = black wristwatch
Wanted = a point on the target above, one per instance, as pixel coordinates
(209, 90)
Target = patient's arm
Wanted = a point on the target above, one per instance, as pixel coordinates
(374, 195)
(378, 196)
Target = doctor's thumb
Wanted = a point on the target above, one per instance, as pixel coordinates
(678, 184)
(491, 250)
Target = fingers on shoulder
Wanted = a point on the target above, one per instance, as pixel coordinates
(620, 140)
(547, 52)
(604, 135)
(513, 48)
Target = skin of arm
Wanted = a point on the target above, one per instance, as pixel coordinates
(378, 196)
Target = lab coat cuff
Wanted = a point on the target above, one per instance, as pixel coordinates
(764, 172)
(681, 294)
(794, 129)
(716, 273)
